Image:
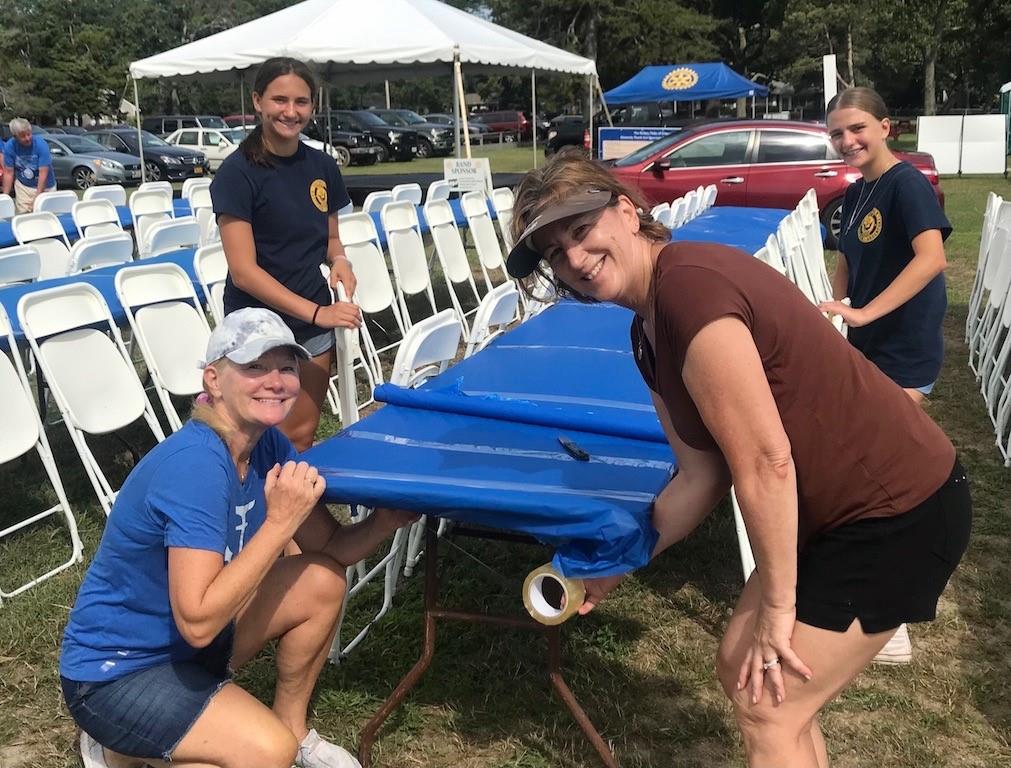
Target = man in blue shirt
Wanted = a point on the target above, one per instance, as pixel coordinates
(29, 166)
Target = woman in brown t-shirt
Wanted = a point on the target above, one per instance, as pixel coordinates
(855, 505)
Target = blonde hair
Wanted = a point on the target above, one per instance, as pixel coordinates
(567, 172)
(203, 409)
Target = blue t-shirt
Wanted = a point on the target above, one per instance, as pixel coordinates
(907, 344)
(26, 161)
(288, 206)
(184, 493)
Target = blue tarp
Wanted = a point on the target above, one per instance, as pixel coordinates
(684, 82)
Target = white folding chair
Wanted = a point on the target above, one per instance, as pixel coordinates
(211, 268)
(691, 204)
(202, 210)
(661, 213)
(792, 250)
(407, 255)
(191, 184)
(22, 431)
(678, 212)
(709, 197)
(438, 190)
(995, 371)
(45, 233)
(452, 256)
(407, 193)
(19, 264)
(167, 236)
(995, 280)
(114, 193)
(95, 217)
(772, 255)
(101, 251)
(163, 187)
(169, 325)
(346, 209)
(375, 292)
(998, 213)
(496, 311)
(486, 242)
(60, 201)
(79, 350)
(147, 208)
(374, 201)
(743, 542)
(502, 199)
(335, 396)
(7, 208)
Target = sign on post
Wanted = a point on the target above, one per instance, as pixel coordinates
(468, 175)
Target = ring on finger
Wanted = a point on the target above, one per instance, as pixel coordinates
(767, 665)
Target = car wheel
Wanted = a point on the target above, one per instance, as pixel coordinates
(84, 177)
(424, 148)
(383, 155)
(369, 159)
(152, 170)
(831, 217)
(342, 156)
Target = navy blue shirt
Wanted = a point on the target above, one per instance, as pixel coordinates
(288, 206)
(879, 222)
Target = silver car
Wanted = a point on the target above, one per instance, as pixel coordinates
(81, 162)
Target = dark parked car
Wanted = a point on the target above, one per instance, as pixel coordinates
(396, 143)
(475, 129)
(757, 163)
(82, 162)
(433, 139)
(567, 130)
(162, 161)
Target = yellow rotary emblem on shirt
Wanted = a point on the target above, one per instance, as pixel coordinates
(680, 79)
(870, 227)
(317, 193)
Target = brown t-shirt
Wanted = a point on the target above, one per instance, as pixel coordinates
(861, 447)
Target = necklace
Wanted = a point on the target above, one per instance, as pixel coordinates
(861, 202)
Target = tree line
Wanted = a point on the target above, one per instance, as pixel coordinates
(60, 59)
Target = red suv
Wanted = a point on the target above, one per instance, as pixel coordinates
(507, 121)
(757, 163)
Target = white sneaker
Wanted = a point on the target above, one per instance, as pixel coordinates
(314, 752)
(898, 650)
(92, 753)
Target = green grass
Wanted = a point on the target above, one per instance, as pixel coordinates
(642, 664)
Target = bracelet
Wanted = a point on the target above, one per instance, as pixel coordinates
(313, 321)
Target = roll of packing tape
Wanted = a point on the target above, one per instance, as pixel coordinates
(550, 597)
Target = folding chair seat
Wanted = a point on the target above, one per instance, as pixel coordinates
(147, 208)
(438, 190)
(452, 256)
(164, 187)
(678, 212)
(503, 199)
(709, 197)
(166, 236)
(407, 193)
(486, 242)
(692, 205)
(995, 284)
(407, 255)
(79, 350)
(114, 193)
(374, 201)
(7, 208)
(660, 212)
(169, 325)
(95, 217)
(59, 201)
(22, 431)
(375, 292)
(45, 233)
(496, 311)
(211, 269)
(192, 184)
(19, 264)
(101, 251)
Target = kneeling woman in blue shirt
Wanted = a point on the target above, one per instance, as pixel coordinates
(187, 583)
(276, 202)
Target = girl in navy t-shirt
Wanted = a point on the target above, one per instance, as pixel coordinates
(276, 202)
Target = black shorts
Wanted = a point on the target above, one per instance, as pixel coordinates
(886, 571)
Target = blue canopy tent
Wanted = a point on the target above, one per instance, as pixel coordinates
(684, 82)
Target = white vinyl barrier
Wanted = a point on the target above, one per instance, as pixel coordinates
(941, 136)
(964, 143)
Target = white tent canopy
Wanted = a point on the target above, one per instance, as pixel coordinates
(352, 41)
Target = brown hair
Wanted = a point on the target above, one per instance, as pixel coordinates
(252, 146)
(866, 99)
(568, 171)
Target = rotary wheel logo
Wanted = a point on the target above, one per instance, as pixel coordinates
(680, 79)
(317, 193)
(870, 227)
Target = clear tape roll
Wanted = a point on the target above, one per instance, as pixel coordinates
(543, 610)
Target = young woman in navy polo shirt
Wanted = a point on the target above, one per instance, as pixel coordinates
(276, 202)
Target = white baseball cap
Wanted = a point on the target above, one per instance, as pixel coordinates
(246, 334)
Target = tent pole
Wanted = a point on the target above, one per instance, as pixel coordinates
(589, 113)
(533, 110)
(752, 106)
(387, 84)
(242, 96)
(465, 131)
(140, 140)
(329, 115)
(457, 107)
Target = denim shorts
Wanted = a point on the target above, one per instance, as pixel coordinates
(926, 389)
(146, 713)
(320, 344)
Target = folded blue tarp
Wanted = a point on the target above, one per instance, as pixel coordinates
(516, 477)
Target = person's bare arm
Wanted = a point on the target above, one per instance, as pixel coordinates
(347, 544)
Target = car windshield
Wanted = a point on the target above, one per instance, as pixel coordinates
(149, 139)
(371, 118)
(412, 117)
(213, 122)
(82, 144)
(392, 118)
(235, 134)
(643, 153)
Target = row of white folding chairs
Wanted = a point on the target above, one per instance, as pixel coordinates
(683, 209)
